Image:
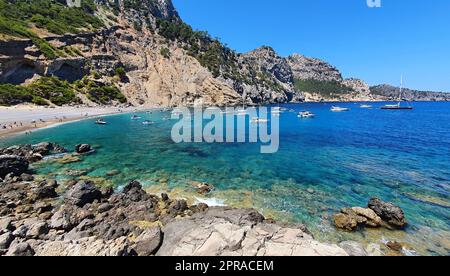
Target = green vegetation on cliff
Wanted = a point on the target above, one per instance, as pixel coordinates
(211, 53)
(324, 88)
(17, 17)
(40, 92)
(99, 92)
(46, 90)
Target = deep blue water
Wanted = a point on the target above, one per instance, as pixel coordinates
(399, 156)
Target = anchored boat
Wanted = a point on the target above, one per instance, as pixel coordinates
(339, 109)
(306, 115)
(399, 105)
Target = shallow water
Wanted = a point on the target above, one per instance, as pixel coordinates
(346, 158)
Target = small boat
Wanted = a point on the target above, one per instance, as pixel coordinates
(241, 112)
(396, 107)
(399, 105)
(147, 123)
(135, 117)
(276, 110)
(365, 106)
(306, 114)
(176, 113)
(258, 120)
(100, 122)
(339, 109)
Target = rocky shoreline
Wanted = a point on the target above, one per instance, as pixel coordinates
(41, 217)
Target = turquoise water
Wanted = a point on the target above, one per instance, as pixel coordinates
(346, 158)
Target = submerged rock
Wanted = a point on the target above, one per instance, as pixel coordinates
(83, 148)
(202, 188)
(68, 159)
(388, 212)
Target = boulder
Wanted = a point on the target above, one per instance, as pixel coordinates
(148, 242)
(345, 222)
(20, 249)
(6, 224)
(5, 240)
(21, 231)
(395, 246)
(373, 220)
(134, 191)
(37, 230)
(388, 212)
(43, 148)
(178, 207)
(165, 197)
(202, 188)
(60, 220)
(27, 177)
(12, 164)
(83, 148)
(46, 192)
(82, 193)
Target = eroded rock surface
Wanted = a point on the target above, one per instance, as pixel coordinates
(234, 232)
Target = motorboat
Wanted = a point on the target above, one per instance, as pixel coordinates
(306, 114)
(259, 120)
(101, 122)
(339, 109)
(396, 107)
(276, 110)
(147, 123)
(367, 106)
(135, 117)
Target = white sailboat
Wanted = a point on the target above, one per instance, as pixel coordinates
(399, 105)
(242, 111)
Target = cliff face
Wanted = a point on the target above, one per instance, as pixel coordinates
(167, 63)
(392, 93)
(305, 68)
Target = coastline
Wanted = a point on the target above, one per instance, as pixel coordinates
(18, 119)
(24, 118)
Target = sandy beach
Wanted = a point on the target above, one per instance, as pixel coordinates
(25, 118)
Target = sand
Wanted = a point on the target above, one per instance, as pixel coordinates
(24, 118)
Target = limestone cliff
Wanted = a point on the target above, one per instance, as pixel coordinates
(392, 93)
(305, 68)
(162, 61)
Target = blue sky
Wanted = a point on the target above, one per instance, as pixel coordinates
(409, 37)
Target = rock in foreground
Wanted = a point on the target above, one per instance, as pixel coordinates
(236, 232)
(389, 212)
(378, 214)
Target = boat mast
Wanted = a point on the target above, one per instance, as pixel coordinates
(401, 90)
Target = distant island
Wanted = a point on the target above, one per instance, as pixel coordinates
(141, 53)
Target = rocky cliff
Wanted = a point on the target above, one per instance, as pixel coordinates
(392, 93)
(144, 49)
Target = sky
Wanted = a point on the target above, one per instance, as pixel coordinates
(402, 37)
